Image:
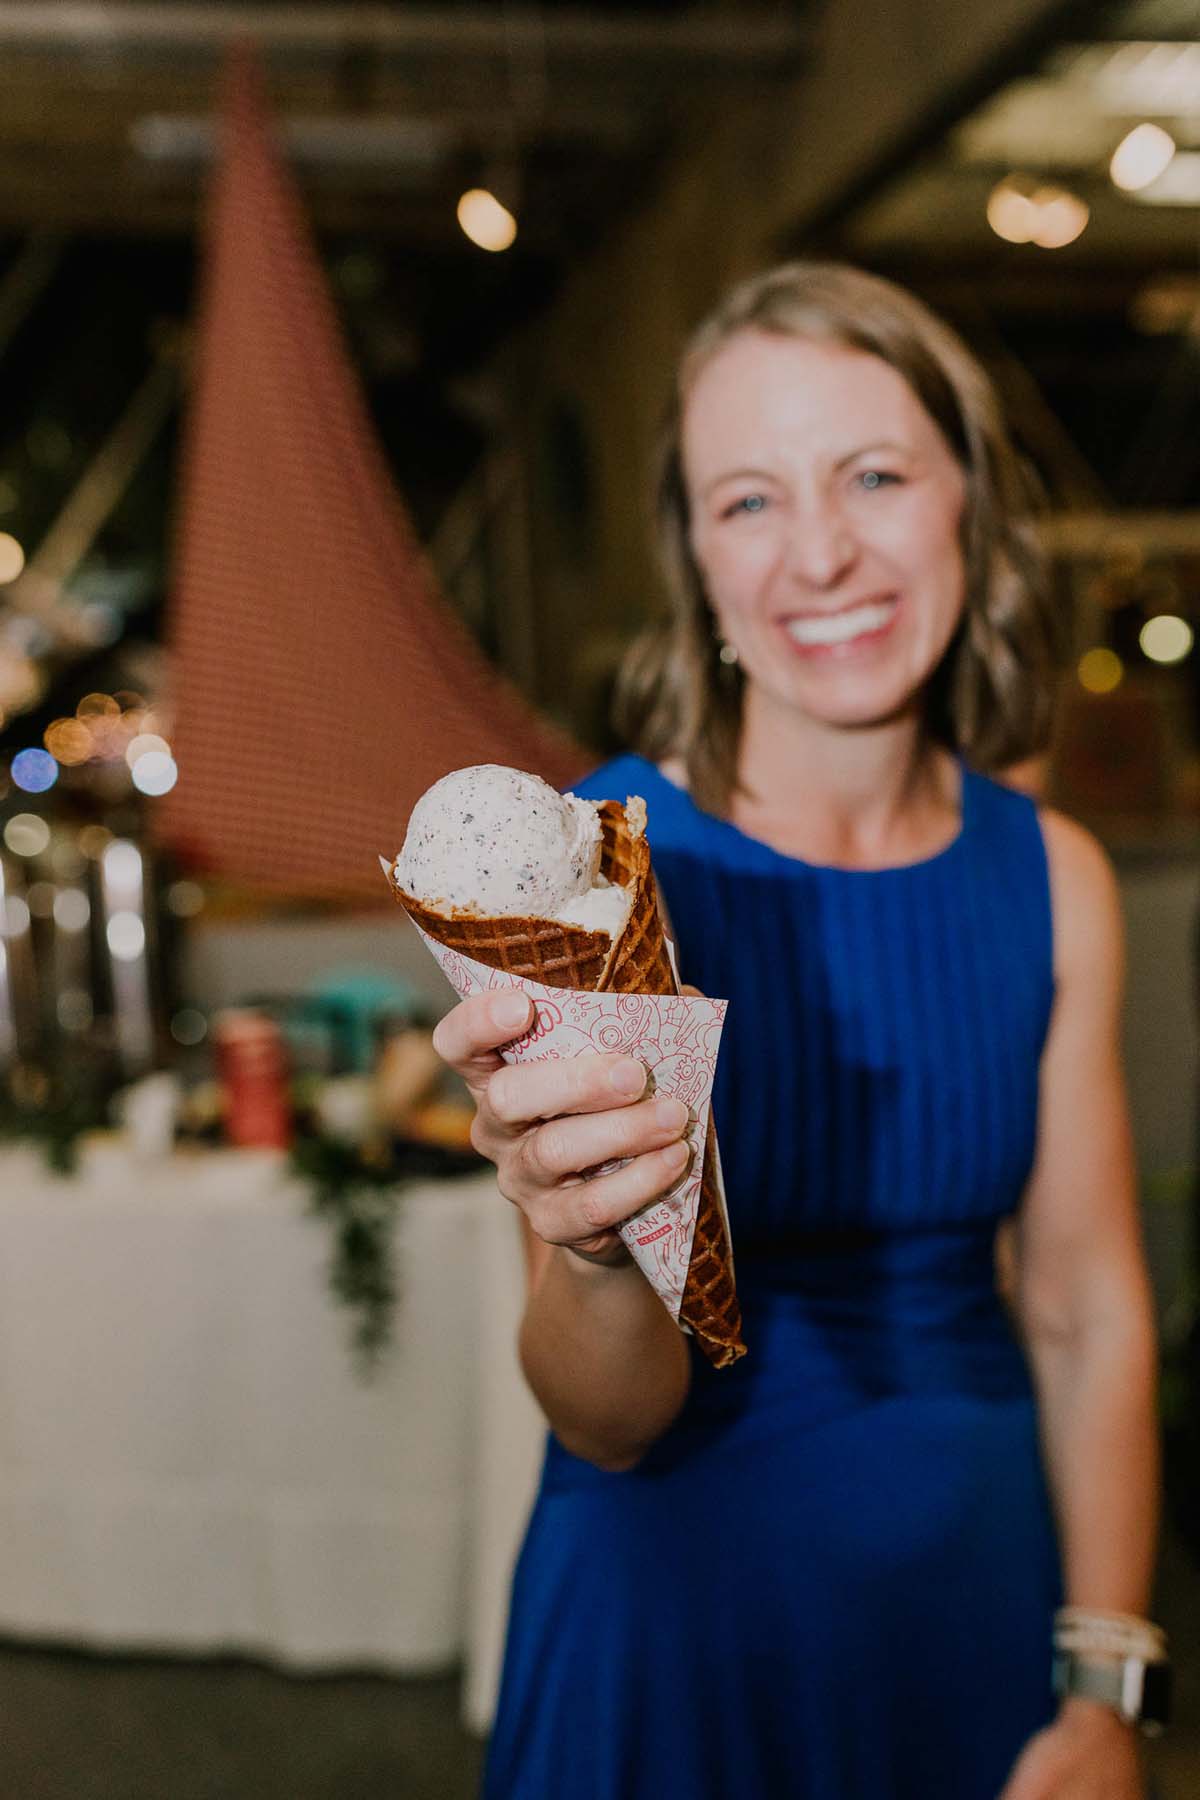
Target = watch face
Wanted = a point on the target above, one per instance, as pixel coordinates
(1156, 1695)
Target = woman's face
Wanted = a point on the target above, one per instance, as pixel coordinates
(825, 509)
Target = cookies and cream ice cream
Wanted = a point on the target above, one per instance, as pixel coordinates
(495, 842)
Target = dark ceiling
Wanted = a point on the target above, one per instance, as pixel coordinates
(106, 141)
(388, 112)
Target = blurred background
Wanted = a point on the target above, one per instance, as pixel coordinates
(333, 343)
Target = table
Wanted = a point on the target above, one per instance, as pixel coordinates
(188, 1459)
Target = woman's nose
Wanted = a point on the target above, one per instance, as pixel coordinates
(822, 547)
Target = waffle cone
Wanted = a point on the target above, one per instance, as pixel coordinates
(636, 962)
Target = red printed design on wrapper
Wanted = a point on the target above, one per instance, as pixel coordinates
(677, 1036)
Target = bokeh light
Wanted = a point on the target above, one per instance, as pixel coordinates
(126, 936)
(12, 557)
(1010, 212)
(189, 1026)
(71, 909)
(1023, 211)
(69, 741)
(485, 221)
(1060, 218)
(185, 899)
(143, 743)
(26, 834)
(14, 919)
(1166, 638)
(40, 896)
(154, 773)
(34, 771)
(97, 706)
(1142, 155)
(1100, 670)
(123, 865)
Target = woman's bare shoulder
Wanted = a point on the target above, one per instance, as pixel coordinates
(674, 770)
(1084, 897)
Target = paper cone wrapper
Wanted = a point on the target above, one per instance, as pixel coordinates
(595, 993)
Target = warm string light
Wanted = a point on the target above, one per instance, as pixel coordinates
(1166, 638)
(485, 220)
(113, 728)
(26, 834)
(1100, 670)
(1023, 211)
(72, 909)
(154, 773)
(12, 558)
(1142, 155)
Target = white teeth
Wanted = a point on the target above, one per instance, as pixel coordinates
(839, 628)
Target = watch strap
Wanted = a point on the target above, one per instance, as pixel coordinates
(1138, 1691)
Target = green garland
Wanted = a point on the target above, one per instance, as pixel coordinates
(55, 1109)
(355, 1188)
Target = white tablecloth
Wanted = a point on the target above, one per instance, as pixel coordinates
(188, 1459)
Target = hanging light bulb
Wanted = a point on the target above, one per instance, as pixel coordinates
(1142, 155)
(12, 557)
(1023, 211)
(1061, 217)
(485, 220)
(1166, 638)
(1010, 210)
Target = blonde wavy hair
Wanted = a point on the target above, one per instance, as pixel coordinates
(991, 696)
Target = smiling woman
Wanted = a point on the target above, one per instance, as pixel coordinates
(838, 1568)
(917, 406)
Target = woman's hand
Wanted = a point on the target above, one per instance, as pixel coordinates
(1088, 1753)
(545, 1125)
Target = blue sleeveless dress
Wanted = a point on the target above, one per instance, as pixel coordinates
(833, 1578)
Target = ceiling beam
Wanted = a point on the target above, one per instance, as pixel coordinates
(745, 40)
(1100, 533)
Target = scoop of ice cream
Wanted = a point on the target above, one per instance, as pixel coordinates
(497, 842)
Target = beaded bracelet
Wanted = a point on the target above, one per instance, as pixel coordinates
(1089, 1632)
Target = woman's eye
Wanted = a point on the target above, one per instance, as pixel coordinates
(749, 503)
(876, 478)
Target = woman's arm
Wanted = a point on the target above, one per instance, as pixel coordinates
(1083, 1298)
(607, 1364)
(1083, 1302)
(606, 1361)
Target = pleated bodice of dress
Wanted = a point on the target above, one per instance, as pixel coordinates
(876, 1092)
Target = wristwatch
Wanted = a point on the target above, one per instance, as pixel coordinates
(1137, 1690)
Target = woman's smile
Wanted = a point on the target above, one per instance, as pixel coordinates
(861, 625)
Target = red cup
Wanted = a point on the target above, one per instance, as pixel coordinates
(253, 1073)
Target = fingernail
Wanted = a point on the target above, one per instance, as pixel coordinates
(671, 1114)
(628, 1077)
(675, 1155)
(510, 1010)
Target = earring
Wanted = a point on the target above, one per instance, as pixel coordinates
(728, 653)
